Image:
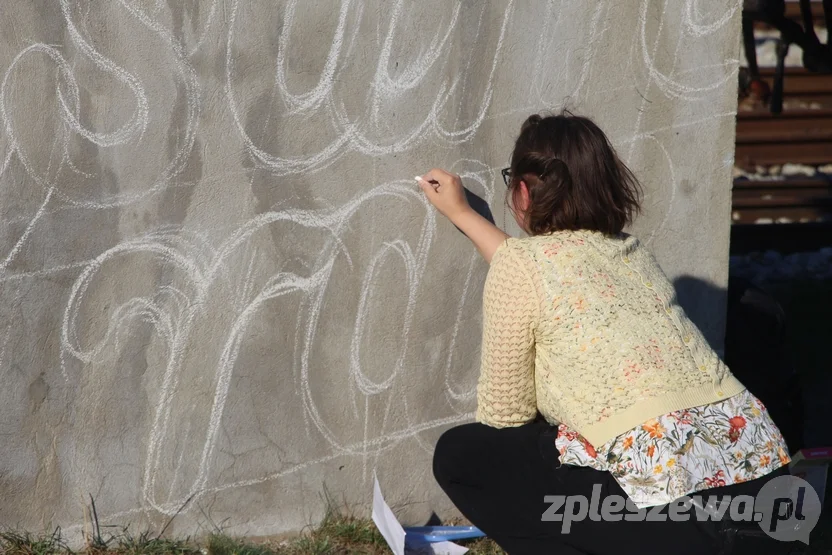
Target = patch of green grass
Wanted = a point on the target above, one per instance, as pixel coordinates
(350, 530)
(219, 544)
(337, 534)
(145, 545)
(13, 542)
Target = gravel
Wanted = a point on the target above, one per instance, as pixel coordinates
(770, 267)
(767, 49)
(773, 173)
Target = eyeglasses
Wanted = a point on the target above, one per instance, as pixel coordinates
(506, 175)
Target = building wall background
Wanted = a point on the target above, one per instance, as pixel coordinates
(223, 292)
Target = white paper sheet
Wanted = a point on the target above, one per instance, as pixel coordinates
(386, 521)
(437, 548)
(394, 533)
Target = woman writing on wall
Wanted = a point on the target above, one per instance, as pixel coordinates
(592, 377)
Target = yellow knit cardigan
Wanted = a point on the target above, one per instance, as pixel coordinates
(585, 328)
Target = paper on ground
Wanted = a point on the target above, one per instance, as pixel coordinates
(394, 534)
(436, 548)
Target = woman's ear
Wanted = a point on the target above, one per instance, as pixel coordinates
(524, 196)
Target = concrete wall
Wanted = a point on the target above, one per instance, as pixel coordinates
(221, 285)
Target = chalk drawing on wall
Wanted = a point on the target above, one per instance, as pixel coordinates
(425, 92)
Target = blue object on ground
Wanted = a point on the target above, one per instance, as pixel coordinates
(433, 534)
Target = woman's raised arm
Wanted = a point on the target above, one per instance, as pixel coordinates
(445, 192)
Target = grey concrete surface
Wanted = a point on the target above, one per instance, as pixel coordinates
(223, 292)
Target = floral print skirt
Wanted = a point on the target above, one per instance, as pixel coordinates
(685, 451)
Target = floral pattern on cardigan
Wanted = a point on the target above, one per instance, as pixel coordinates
(685, 451)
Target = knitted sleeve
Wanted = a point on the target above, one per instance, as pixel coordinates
(506, 387)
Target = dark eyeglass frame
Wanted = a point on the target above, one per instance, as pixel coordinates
(506, 172)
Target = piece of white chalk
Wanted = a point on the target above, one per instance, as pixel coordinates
(434, 185)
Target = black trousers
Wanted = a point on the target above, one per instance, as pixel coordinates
(498, 479)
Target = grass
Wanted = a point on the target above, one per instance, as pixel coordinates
(13, 542)
(338, 534)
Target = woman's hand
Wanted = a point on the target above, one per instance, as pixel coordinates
(445, 192)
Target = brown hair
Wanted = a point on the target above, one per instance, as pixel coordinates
(575, 178)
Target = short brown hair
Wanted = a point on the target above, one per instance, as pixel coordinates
(575, 178)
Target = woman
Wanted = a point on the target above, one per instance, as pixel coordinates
(593, 380)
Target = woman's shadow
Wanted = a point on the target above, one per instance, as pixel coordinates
(479, 206)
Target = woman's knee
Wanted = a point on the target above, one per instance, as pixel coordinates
(454, 452)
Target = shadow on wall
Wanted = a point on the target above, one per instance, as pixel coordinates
(479, 205)
(756, 348)
(695, 295)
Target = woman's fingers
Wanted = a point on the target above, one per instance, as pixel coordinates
(444, 190)
(428, 187)
(439, 176)
(422, 179)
